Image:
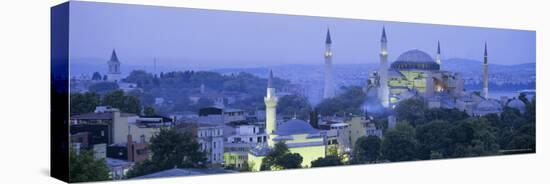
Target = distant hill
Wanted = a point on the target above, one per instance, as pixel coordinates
(468, 67)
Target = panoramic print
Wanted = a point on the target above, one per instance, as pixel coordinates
(163, 92)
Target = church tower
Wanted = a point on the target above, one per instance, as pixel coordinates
(329, 81)
(270, 109)
(383, 92)
(114, 68)
(485, 93)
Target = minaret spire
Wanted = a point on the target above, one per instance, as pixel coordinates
(328, 40)
(383, 39)
(438, 55)
(329, 81)
(270, 79)
(485, 93)
(270, 101)
(383, 91)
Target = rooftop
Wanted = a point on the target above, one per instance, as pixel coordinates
(184, 172)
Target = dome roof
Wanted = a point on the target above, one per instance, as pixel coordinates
(518, 104)
(415, 59)
(488, 105)
(295, 126)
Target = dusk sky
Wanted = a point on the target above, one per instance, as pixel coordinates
(208, 38)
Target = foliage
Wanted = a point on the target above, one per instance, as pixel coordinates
(366, 150)
(83, 167)
(290, 105)
(280, 158)
(171, 148)
(96, 76)
(412, 110)
(149, 111)
(473, 137)
(350, 101)
(125, 103)
(84, 102)
(399, 144)
(103, 87)
(433, 139)
(314, 118)
(329, 160)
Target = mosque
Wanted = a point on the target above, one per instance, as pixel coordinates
(298, 135)
(413, 73)
(416, 73)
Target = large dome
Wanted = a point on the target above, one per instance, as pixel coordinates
(415, 59)
(295, 126)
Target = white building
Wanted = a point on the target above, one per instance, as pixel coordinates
(210, 138)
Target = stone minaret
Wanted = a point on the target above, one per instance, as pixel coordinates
(270, 109)
(438, 55)
(485, 93)
(114, 68)
(329, 81)
(383, 92)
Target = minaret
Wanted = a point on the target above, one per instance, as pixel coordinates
(270, 109)
(438, 55)
(383, 92)
(485, 93)
(429, 75)
(114, 68)
(329, 81)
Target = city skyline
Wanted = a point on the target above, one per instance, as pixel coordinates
(222, 39)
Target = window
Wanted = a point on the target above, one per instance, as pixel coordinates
(250, 139)
(214, 145)
(142, 138)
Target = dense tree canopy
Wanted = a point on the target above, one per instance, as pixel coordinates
(83, 167)
(126, 103)
(329, 160)
(399, 144)
(290, 105)
(171, 148)
(280, 158)
(84, 102)
(103, 87)
(349, 101)
(366, 149)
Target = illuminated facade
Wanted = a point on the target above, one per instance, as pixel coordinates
(298, 135)
(414, 73)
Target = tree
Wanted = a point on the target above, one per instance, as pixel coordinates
(280, 158)
(366, 149)
(473, 137)
(103, 87)
(314, 118)
(350, 101)
(294, 104)
(149, 111)
(170, 149)
(96, 76)
(399, 144)
(289, 161)
(84, 102)
(412, 110)
(83, 167)
(117, 99)
(330, 160)
(433, 138)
